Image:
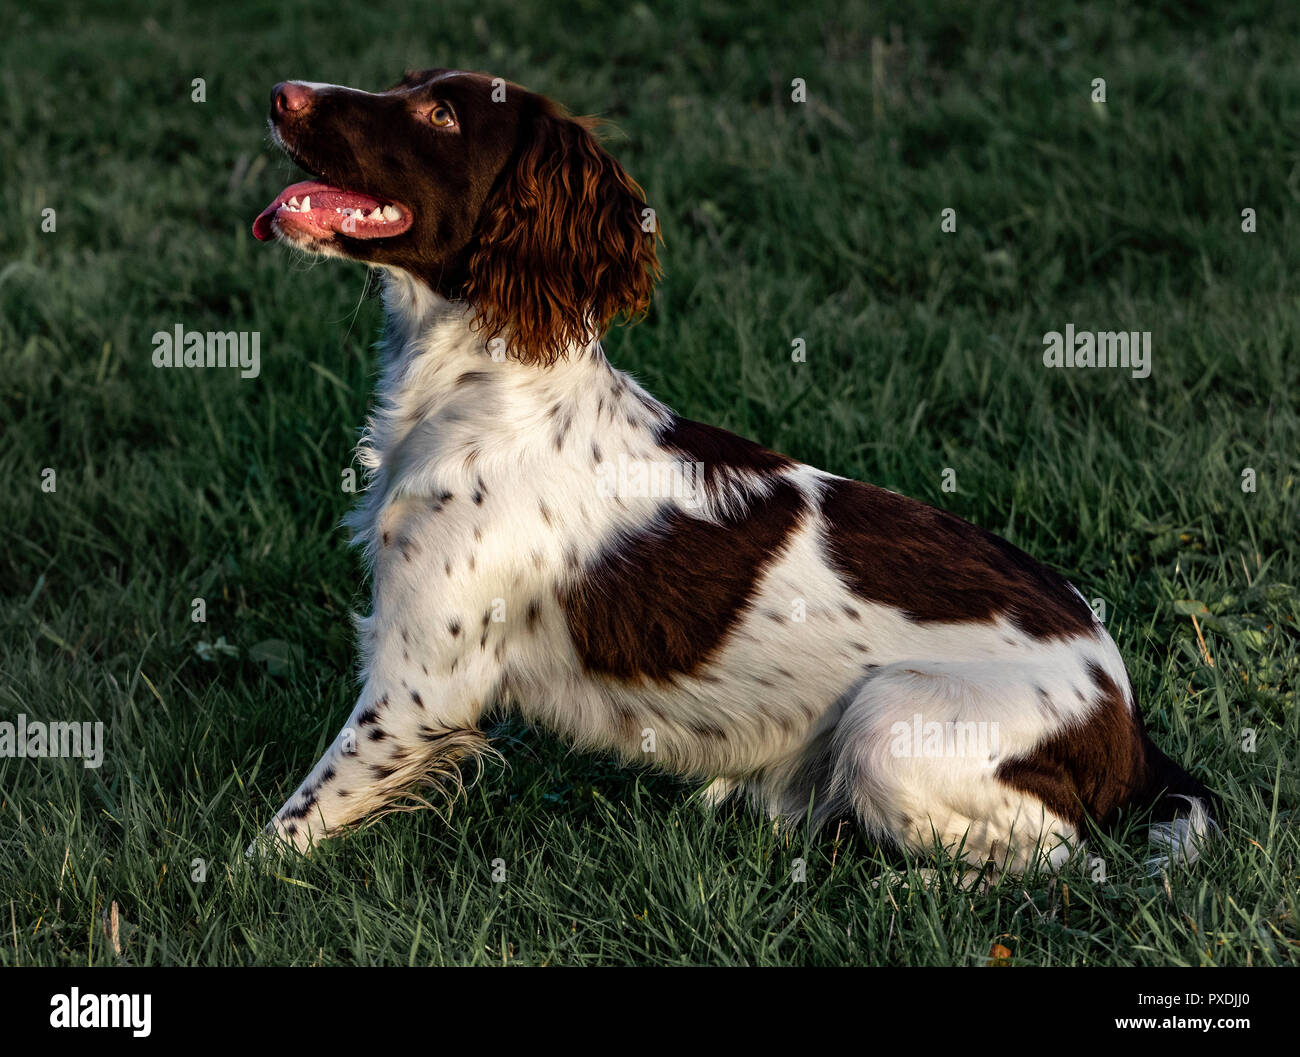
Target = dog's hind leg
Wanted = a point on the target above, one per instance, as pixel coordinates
(916, 756)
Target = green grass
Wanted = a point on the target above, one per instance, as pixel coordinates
(818, 221)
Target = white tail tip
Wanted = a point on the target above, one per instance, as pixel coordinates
(1179, 843)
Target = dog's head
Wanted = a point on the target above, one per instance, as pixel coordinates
(479, 188)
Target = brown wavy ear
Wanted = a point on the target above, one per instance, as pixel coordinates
(561, 249)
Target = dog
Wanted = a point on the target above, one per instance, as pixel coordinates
(543, 534)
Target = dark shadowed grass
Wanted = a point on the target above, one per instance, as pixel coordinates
(818, 221)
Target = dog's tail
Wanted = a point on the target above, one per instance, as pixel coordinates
(1184, 813)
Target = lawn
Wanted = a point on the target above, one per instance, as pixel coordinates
(1172, 498)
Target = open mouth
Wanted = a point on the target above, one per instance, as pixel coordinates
(317, 210)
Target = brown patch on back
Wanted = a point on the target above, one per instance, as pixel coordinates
(663, 602)
(936, 567)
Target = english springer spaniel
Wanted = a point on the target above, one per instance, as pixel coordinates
(543, 534)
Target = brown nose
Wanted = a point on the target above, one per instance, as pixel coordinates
(290, 97)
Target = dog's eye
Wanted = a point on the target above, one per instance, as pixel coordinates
(442, 116)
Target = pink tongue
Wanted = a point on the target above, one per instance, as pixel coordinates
(332, 210)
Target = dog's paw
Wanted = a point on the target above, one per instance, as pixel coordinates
(270, 846)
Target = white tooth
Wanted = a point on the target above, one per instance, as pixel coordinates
(376, 214)
(294, 201)
(306, 203)
(391, 213)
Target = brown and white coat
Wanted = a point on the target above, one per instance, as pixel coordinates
(771, 629)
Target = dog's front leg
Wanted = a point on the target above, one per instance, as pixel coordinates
(396, 739)
(432, 663)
